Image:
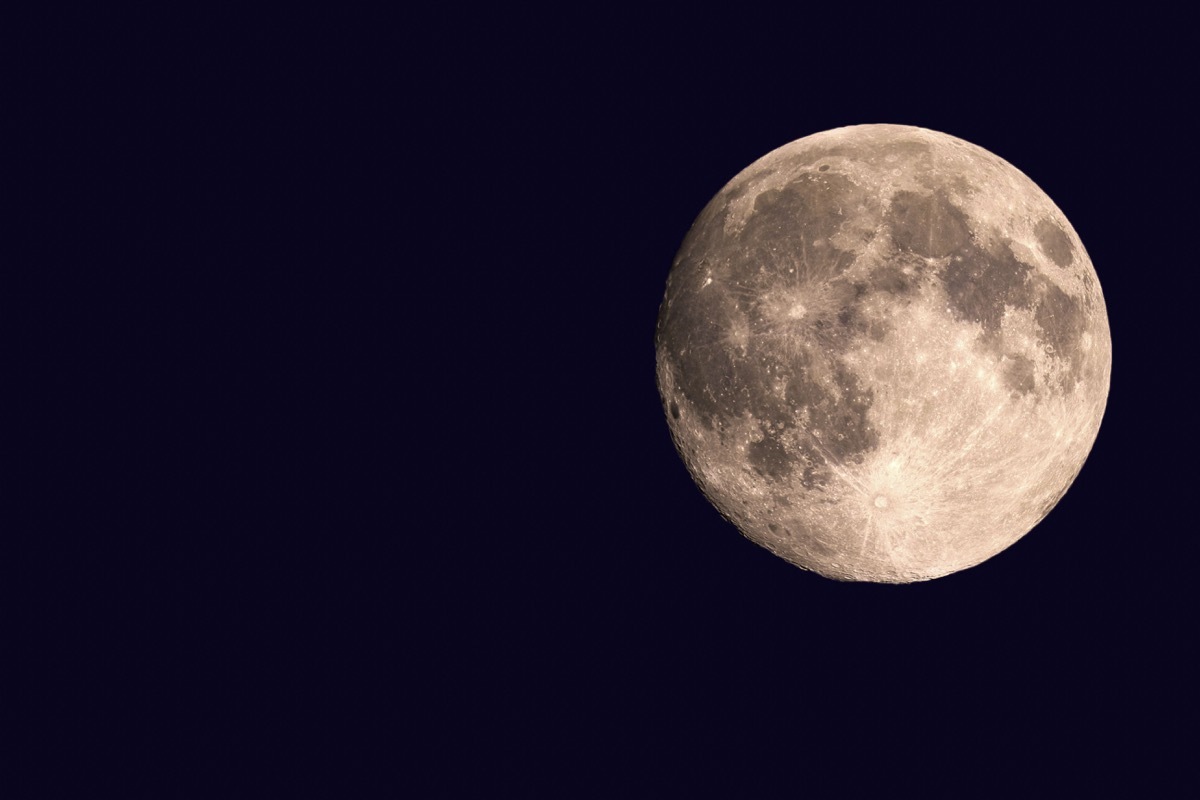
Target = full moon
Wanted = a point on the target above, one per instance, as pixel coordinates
(883, 353)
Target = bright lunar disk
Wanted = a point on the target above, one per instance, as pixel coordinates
(883, 353)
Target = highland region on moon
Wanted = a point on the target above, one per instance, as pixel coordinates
(883, 352)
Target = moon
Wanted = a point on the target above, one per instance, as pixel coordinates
(883, 353)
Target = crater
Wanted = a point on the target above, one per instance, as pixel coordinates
(1054, 242)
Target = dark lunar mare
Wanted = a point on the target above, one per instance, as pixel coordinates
(981, 281)
(723, 280)
(1054, 242)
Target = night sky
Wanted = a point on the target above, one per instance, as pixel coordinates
(360, 473)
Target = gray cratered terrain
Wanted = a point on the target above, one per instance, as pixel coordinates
(883, 353)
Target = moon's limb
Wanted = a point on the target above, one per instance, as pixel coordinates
(884, 353)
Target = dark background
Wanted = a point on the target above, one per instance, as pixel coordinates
(350, 466)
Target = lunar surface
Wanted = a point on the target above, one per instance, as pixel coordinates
(883, 353)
